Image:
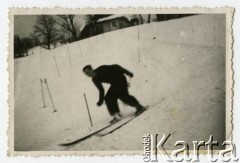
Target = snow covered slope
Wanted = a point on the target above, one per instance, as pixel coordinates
(181, 61)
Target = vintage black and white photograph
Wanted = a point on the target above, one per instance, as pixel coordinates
(100, 82)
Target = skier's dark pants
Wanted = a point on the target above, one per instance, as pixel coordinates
(119, 92)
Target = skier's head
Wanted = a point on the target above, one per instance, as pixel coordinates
(88, 70)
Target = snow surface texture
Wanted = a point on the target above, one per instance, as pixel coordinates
(179, 62)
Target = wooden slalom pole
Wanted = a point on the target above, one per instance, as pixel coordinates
(139, 56)
(69, 57)
(44, 104)
(54, 110)
(56, 65)
(89, 115)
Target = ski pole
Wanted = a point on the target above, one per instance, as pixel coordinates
(56, 65)
(70, 61)
(44, 104)
(54, 110)
(89, 115)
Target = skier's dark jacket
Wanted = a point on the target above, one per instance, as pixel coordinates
(112, 74)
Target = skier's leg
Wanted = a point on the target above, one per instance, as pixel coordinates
(128, 99)
(111, 101)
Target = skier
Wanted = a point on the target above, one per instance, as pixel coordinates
(114, 75)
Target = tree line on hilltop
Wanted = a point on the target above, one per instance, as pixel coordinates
(51, 30)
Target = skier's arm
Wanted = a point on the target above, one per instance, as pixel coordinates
(124, 71)
(101, 91)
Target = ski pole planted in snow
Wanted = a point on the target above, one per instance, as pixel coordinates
(44, 104)
(69, 56)
(88, 110)
(56, 65)
(54, 110)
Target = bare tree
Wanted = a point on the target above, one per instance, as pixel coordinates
(67, 24)
(18, 47)
(22, 46)
(46, 28)
(35, 39)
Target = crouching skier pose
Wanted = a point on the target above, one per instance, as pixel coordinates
(114, 75)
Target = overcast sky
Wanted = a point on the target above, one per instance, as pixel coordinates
(23, 24)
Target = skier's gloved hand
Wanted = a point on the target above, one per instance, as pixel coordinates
(99, 103)
(131, 75)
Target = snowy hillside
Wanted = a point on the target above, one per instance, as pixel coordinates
(178, 62)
